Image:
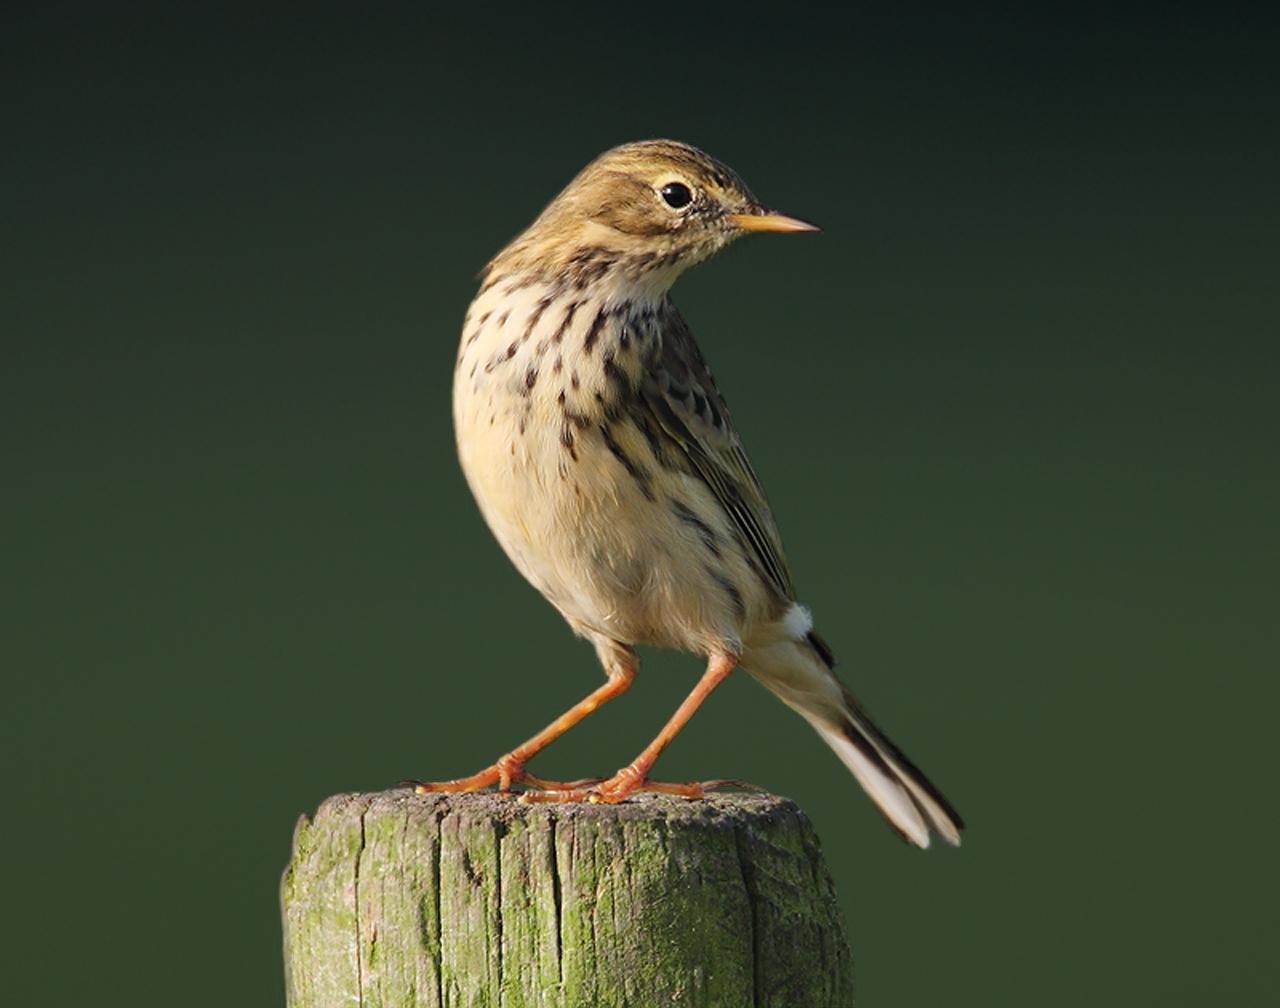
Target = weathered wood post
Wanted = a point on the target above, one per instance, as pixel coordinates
(399, 901)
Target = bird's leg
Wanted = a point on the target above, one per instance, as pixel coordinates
(509, 768)
(634, 776)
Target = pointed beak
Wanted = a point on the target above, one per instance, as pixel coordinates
(769, 220)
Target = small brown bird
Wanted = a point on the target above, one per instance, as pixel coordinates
(603, 458)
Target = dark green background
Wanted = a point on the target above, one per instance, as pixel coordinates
(1015, 409)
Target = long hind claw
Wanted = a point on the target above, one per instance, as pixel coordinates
(504, 774)
(602, 794)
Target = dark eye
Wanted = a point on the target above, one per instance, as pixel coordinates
(676, 194)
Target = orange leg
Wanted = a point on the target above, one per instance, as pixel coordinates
(634, 776)
(509, 768)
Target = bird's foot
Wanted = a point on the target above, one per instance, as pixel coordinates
(622, 785)
(504, 773)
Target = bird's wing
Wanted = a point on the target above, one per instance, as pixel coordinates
(682, 395)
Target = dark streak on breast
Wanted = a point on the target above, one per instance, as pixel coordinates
(705, 532)
(571, 415)
(534, 316)
(615, 374)
(565, 322)
(502, 358)
(566, 439)
(597, 325)
(635, 471)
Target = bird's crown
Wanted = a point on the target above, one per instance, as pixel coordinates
(655, 206)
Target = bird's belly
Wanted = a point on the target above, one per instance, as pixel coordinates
(607, 549)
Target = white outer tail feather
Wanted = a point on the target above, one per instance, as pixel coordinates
(800, 678)
(887, 792)
(939, 818)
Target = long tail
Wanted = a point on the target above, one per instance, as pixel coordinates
(799, 673)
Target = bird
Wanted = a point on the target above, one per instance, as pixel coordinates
(604, 460)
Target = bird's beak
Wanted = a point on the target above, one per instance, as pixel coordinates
(769, 220)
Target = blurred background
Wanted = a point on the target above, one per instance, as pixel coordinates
(1015, 408)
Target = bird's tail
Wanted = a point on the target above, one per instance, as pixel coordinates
(799, 673)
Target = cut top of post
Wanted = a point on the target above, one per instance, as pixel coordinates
(403, 899)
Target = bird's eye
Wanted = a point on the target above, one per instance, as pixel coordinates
(676, 195)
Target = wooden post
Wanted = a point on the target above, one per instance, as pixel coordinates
(398, 900)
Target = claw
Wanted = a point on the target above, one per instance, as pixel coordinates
(504, 776)
(542, 784)
(554, 795)
(617, 789)
(728, 782)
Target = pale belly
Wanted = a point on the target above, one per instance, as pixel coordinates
(615, 559)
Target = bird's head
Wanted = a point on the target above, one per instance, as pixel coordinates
(649, 209)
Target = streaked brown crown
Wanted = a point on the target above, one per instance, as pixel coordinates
(631, 202)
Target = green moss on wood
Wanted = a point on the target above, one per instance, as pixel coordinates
(400, 900)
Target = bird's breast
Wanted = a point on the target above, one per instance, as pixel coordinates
(579, 488)
(543, 372)
(540, 365)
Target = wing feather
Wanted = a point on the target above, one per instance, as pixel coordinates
(682, 396)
